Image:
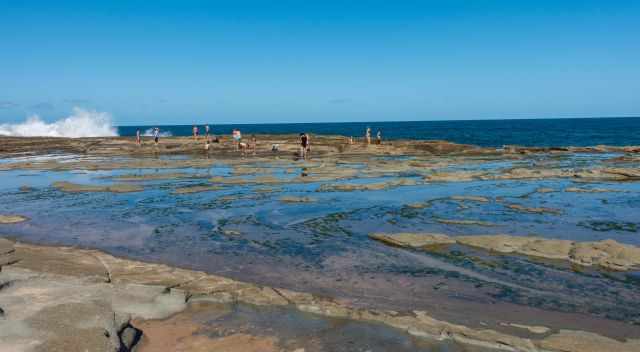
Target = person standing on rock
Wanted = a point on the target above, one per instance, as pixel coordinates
(237, 138)
(138, 138)
(379, 137)
(156, 135)
(206, 131)
(303, 145)
(195, 132)
(308, 151)
(254, 143)
(367, 135)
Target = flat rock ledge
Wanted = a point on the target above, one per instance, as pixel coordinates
(114, 188)
(12, 219)
(608, 254)
(69, 299)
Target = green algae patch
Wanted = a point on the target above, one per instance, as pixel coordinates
(78, 188)
(12, 219)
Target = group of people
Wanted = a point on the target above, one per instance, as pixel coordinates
(156, 136)
(241, 146)
(304, 140)
(196, 132)
(367, 136)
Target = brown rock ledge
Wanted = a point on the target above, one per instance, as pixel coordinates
(78, 188)
(68, 299)
(608, 254)
(12, 219)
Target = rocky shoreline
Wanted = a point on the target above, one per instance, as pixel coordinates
(70, 299)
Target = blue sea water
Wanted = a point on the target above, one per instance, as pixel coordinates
(486, 133)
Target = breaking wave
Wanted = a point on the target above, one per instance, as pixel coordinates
(82, 123)
(149, 133)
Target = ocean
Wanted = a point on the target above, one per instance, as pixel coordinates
(486, 133)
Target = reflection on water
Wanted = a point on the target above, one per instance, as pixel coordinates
(246, 232)
(285, 329)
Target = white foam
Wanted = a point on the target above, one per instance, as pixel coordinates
(82, 123)
(149, 133)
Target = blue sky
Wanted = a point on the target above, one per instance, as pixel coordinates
(183, 62)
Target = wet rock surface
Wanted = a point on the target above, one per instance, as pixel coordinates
(54, 305)
(292, 199)
(250, 218)
(11, 219)
(196, 189)
(608, 254)
(115, 188)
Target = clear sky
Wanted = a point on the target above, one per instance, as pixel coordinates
(148, 62)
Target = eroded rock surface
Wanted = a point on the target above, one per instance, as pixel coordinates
(607, 254)
(51, 303)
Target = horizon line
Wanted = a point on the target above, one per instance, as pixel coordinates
(387, 121)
